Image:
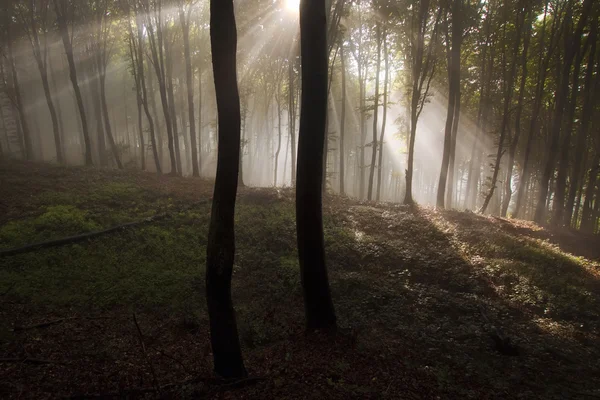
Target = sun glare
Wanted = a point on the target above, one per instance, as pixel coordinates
(292, 5)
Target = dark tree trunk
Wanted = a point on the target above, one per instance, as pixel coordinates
(144, 94)
(189, 80)
(587, 223)
(513, 146)
(342, 120)
(318, 303)
(41, 58)
(384, 118)
(590, 96)
(572, 43)
(375, 114)
(558, 204)
(27, 141)
(453, 96)
(60, 7)
(278, 134)
(508, 93)
(171, 102)
(156, 50)
(221, 240)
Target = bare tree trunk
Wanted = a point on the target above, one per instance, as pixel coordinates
(591, 88)
(343, 120)
(189, 79)
(513, 146)
(508, 93)
(384, 119)
(453, 97)
(144, 95)
(375, 114)
(221, 239)
(572, 42)
(60, 7)
(171, 102)
(318, 303)
(26, 133)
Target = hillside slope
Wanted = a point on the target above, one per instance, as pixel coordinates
(432, 304)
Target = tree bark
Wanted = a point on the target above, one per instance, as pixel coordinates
(318, 303)
(384, 118)
(221, 239)
(572, 42)
(342, 120)
(189, 79)
(60, 8)
(375, 114)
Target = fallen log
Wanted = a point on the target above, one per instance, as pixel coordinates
(77, 238)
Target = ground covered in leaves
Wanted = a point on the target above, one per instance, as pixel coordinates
(432, 304)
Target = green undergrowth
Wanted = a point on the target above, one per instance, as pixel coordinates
(425, 286)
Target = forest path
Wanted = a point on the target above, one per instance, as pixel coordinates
(422, 296)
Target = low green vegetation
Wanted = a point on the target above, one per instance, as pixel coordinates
(419, 294)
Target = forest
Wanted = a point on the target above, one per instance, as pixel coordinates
(300, 199)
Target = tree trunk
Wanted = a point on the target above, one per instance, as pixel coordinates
(41, 61)
(144, 94)
(375, 114)
(171, 103)
(572, 42)
(27, 140)
(590, 97)
(453, 96)
(318, 303)
(508, 93)
(513, 146)
(221, 239)
(342, 120)
(587, 224)
(189, 79)
(278, 134)
(384, 119)
(60, 8)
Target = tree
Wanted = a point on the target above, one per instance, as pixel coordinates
(61, 8)
(318, 303)
(220, 249)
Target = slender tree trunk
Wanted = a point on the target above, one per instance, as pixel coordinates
(278, 135)
(94, 82)
(384, 118)
(107, 125)
(587, 224)
(513, 146)
(221, 239)
(318, 303)
(144, 95)
(27, 140)
(292, 116)
(171, 103)
(41, 59)
(508, 93)
(590, 97)
(189, 79)
(453, 96)
(200, 122)
(60, 8)
(342, 120)
(572, 43)
(558, 204)
(156, 49)
(375, 114)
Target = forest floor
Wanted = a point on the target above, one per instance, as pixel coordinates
(422, 297)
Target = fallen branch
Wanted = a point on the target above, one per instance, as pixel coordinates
(76, 238)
